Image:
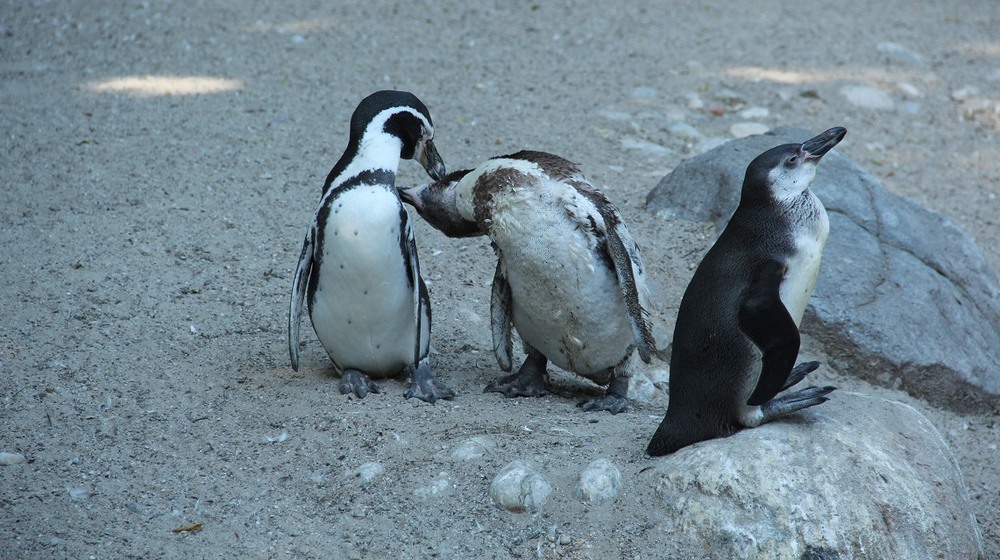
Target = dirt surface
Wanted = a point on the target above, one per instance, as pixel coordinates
(161, 162)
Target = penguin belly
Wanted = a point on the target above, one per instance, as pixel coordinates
(566, 302)
(363, 307)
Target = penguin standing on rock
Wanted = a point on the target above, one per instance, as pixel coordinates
(569, 276)
(358, 272)
(736, 338)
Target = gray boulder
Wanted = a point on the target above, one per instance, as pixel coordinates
(856, 478)
(904, 298)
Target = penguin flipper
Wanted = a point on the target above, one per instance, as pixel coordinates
(421, 299)
(625, 256)
(500, 320)
(766, 321)
(295, 306)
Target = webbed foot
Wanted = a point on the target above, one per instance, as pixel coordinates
(356, 382)
(424, 387)
(786, 404)
(799, 373)
(613, 400)
(529, 381)
(612, 403)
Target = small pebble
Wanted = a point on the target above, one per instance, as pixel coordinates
(599, 482)
(11, 458)
(474, 448)
(648, 148)
(694, 102)
(684, 131)
(868, 97)
(519, 488)
(899, 52)
(909, 89)
(752, 113)
(438, 487)
(368, 472)
(744, 129)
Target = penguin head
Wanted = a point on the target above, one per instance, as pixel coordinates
(400, 115)
(437, 204)
(783, 173)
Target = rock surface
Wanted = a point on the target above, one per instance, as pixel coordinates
(904, 298)
(859, 477)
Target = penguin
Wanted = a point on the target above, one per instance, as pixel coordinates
(569, 276)
(358, 273)
(736, 337)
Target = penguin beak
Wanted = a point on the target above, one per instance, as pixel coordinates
(429, 157)
(411, 196)
(818, 146)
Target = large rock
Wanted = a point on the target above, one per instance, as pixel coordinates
(904, 298)
(856, 478)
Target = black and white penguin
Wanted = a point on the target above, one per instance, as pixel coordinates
(569, 276)
(358, 272)
(736, 338)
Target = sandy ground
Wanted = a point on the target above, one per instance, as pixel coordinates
(161, 162)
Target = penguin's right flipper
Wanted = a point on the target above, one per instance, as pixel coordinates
(768, 324)
(299, 288)
(500, 320)
(786, 404)
(625, 258)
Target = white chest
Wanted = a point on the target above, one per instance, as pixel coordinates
(362, 309)
(803, 266)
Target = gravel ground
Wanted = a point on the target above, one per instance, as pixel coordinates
(163, 159)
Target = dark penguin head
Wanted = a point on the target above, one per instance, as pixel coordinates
(388, 126)
(437, 205)
(783, 173)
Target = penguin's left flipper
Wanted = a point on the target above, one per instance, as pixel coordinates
(295, 306)
(422, 383)
(424, 387)
(500, 320)
(421, 299)
(766, 321)
(624, 254)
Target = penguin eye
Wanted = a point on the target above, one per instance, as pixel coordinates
(792, 161)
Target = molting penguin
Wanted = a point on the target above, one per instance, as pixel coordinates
(736, 337)
(569, 276)
(358, 271)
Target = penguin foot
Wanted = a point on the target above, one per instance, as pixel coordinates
(786, 404)
(614, 399)
(424, 387)
(356, 382)
(799, 373)
(521, 384)
(610, 402)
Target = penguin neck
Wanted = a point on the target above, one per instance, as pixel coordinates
(373, 152)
